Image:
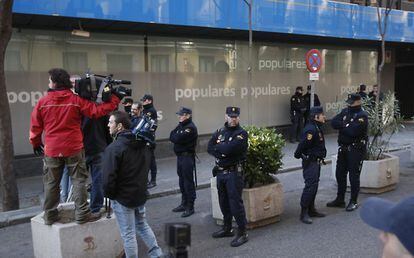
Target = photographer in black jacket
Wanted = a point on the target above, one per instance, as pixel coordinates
(125, 167)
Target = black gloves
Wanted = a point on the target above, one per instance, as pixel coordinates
(38, 151)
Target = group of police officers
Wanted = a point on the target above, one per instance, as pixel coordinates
(229, 147)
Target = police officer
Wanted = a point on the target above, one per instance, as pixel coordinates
(184, 137)
(312, 151)
(352, 124)
(297, 110)
(307, 98)
(229, 146)
(149, 110)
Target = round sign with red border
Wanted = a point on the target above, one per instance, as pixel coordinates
(313, 60)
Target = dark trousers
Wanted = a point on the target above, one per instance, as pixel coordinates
(185, 171)
(94, 164)
(350, 160)
(297, 126)
(230, 187)
(311, 174)
(153, 166)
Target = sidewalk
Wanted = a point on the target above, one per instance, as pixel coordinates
(339, 234)
(31, 188)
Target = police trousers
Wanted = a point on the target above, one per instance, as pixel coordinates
(297, 126)
(185, 171)
(230, 187)
(311, 174)
(350, 160)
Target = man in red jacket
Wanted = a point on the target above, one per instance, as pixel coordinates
(58, 117)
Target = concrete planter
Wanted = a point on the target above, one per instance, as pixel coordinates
(377, 176)
(263, 205)
(96, 239)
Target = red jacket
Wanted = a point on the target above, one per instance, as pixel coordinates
(59, 115)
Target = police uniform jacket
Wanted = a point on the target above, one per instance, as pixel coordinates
(352, 124)
(312, 143)
(297, 104)
(184, 137)
(228, 145)
(150, 111)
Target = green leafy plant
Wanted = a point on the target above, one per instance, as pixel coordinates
(384, 120)
(264, 156)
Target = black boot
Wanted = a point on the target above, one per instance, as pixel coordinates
(189, 210)
(304, 216)
(151, 184)
(179, 208)
(240, 238)
(337, 203)
(225, 231)
(314, 213)
(352, 205)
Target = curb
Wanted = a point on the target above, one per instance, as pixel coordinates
(10, 218)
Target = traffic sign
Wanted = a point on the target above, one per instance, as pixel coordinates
(313, 60)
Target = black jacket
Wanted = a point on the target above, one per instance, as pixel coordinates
(150, 111)
(228, 145)
(184, 137)
(125, 170)
(297, 104)
(312, 143)
(352, 124)
(95, 135)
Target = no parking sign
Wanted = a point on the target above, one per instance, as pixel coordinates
(313, 60)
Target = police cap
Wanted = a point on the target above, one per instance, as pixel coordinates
(233, 111)
(316, 111)
(147, 97)
(183, 111)
(353, 97)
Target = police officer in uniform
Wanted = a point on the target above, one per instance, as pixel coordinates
(184, 137)
(229, 146)
(297, 110)
(352, 124)
(312, 151)
(149, 110)
(307, 98)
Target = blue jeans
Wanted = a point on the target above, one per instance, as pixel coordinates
(65, 185)
(93, 162)
(131, 221)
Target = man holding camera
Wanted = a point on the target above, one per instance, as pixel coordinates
(136, 113)
(229, 146)
(125, 168)
(58, 115)
(312, 151)
(149, 110)
(184, 137)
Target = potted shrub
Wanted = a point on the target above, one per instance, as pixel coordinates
(263, 193)
(380, 169)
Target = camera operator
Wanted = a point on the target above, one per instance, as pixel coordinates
(58, 115)
(125, 167)
(150, 111)
(136, 113)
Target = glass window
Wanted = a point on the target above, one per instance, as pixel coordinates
(206, 64)
(160, 63)
(75, 61)
(119, 63)
(13, 61)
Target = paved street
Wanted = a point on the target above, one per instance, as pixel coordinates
(340, 234)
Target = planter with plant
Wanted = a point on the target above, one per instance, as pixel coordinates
(380, 169)
(263, 193)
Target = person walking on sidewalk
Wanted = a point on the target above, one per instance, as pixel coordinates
(312, 151)
(58, 116)
(352, 124)
(229, 146)
(149, 110)
(184, 137)
(125, 168)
